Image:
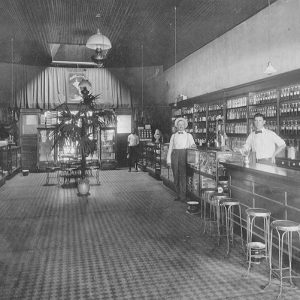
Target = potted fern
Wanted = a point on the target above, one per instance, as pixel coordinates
(78, 126)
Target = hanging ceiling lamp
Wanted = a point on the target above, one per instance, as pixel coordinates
(269, 69)
(98, 41)
(101, 44)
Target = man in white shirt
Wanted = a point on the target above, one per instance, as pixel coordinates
(133, 149)
(265, 143)
(176, 157)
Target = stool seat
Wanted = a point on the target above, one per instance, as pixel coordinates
(256, 245)
(258, 212)
(217, 198)
(225, 202)
(257, 249)
(285, 225)
(285, 230)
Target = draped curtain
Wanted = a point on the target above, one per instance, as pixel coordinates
(35, 87)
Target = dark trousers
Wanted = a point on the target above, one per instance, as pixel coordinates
(133, 156)
(178, 164)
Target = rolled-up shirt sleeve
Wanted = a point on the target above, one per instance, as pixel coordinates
(191, 141)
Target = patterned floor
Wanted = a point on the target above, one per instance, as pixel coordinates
(127, 240)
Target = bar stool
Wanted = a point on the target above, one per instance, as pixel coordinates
(215, 215)
(229, 207)
(284, 228)
(206, 194)
(261, 250)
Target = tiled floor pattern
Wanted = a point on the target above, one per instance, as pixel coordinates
(127, 240)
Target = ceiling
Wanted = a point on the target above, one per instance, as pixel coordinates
(37, 32)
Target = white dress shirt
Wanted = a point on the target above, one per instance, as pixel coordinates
(264, 143)
(178, 140)
(133, 140)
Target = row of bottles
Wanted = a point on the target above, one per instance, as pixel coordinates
(236, 142)
(187, 110)
(264, 97)
(290, 109)
(290, 127)
(199, 108)
(217, 106)
(237, 102)
(237, 113)
(268, 111)
(240, 128)
(199, 129)
(290, 92)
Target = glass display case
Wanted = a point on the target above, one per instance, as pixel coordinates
(10, 160)
(107, 148)
(46, 154)
(166, 173)
(153, 157)
(107, 144)
(205, 170)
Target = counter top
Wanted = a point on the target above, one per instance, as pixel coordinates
(266, 170)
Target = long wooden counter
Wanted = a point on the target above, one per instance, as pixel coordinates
(273, 188)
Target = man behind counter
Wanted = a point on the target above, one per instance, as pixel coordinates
(264, 142)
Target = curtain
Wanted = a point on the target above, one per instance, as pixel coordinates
(36, 87)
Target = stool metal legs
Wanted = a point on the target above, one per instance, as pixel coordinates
(261, 249)
(281, 236)
(228, 206)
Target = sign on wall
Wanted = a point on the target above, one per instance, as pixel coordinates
(74, 93)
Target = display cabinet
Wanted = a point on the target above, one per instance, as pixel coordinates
(166, 173)
(10, 158)
(108, 148)
(153, 156)
(46, 153)
(204, 169)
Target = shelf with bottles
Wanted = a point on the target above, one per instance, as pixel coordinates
(200, 113)
(263, 97)
(290, 128)
(200, 124)
(236, 112)
(240, 128)
(269, 111)
(214, 111)
(290, 93)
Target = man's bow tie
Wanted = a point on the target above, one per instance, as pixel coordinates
(180, 132)
(258, 131)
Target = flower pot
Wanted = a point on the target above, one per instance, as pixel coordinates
(83, 187)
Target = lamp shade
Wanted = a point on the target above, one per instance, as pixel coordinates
(98, 41)
(270, 69)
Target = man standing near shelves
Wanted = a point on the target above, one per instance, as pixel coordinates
(133, 150)
(176, 157)
(264, 142)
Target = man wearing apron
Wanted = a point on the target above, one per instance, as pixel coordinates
(176, 158)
